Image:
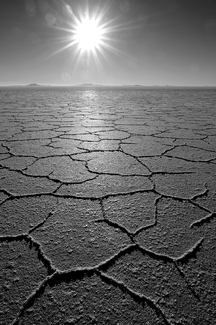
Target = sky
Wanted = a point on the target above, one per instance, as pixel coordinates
(145, 42)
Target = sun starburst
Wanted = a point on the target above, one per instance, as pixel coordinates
(91, 33)
(88, 34)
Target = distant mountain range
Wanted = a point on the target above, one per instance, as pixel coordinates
(33, 85)
(36, 85)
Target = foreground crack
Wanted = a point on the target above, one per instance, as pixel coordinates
(32, 244)
(139, 298)
(190, 252)
(40, 224)
(116, 226)
(31, 299)
(194, 293)
(204, 220)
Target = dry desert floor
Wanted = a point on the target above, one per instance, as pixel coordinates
(107, 207)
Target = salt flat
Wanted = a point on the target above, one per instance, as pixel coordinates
(107, 206)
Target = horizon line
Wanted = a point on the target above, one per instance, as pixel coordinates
(105, 85)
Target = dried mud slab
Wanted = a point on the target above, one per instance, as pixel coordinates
(72, 237)
(134, 212)
(181, 185)
(20, 184)
(172, 234)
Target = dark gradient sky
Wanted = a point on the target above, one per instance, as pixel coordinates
(155, 42)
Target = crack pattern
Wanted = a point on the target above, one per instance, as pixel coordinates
(111, 186)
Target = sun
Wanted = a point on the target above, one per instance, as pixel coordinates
(88, 34)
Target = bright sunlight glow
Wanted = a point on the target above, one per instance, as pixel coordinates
(88, 34)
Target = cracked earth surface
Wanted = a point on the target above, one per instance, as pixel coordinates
(107, 206)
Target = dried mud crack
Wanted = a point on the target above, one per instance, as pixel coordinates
(107, 207)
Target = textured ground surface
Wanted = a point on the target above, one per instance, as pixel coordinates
(107, 207)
